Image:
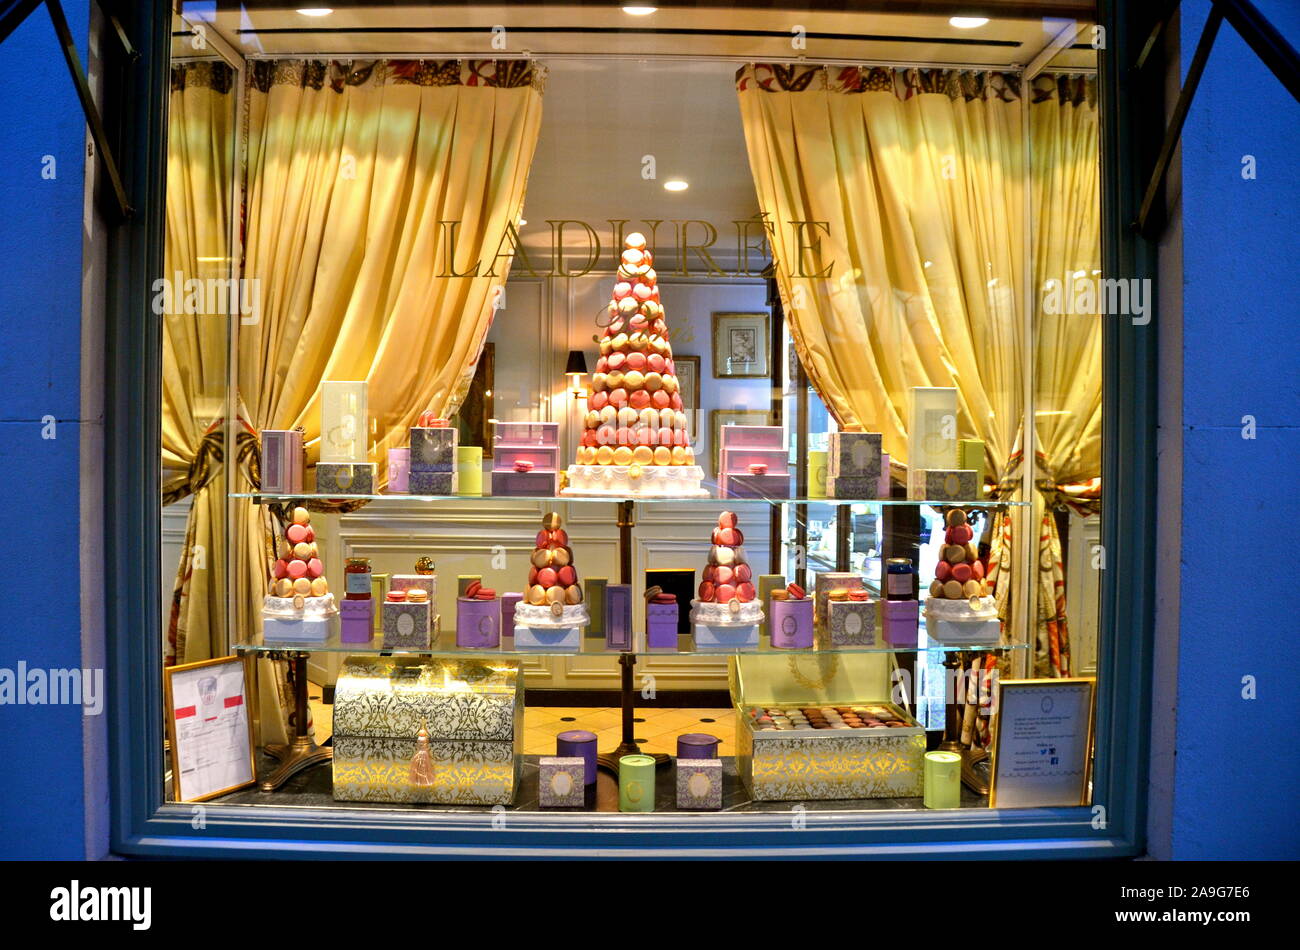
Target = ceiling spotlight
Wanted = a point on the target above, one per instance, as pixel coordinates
(675, 184)
(967, 22)
(315, 11)
(634, 9)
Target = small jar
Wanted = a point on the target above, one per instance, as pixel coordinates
(900, 579)
(356, 579)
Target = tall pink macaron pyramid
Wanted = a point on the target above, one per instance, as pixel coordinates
(635, 415)
(298, 571)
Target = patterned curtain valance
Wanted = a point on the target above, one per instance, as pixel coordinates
(1072, 88)
(902, 82)
(339, 74)
(216, 76)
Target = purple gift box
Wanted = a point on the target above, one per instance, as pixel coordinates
(508, 602)
(478, 623)
(900, 619)
(661, 626)
(528, 484)
(770, 485)
(399, 470)
(358, 624)
(618, 616)
(697, 745)
(791, 623)
(581, 744)
(282, 460)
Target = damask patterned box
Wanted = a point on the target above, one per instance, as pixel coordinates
(805, 764)
(471, 709)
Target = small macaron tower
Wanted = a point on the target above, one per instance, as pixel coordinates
(727, 596)
(634, 438)
(960, 608)
(959, 574)
(552, 598)
(299, 605)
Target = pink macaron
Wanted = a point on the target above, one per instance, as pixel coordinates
(942, 571)
(598, 400)
(977, 570)
(547, 577)
(617, 360)
(315, 568)
(567, 575)
(297, 569)
(605, 435)
(281, 569)
(656, 362)
(961, 573)
(665, 435)
(624, 435)
(743, 573)
(645, 436)
(707, 590)
(618, 398)
(659, 398)
(725, 593)
(675, 401)
(636, 361)
(296, 533)
(640, 399)
(724, 574)
(745, 592)
(710, 572)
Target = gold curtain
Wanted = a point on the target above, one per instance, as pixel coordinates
(351, 173)
(200, 158)
(916, 277)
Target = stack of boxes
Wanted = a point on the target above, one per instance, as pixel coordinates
(526, 459)
(753, 462)
(934, 471)
(433, 460)
(853, 465)
(344, 443)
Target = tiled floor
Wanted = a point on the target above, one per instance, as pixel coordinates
(657, 733)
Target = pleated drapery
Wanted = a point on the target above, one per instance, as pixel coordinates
(895, 202)
(359, 178)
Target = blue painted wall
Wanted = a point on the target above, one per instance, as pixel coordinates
(1236, 769)
(42, 804)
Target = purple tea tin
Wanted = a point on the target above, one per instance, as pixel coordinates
(697, 745)
(579, 742)
(478, 623)
(791, 624)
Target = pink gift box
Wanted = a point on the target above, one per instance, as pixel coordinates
(543, 457)
(752, 437)
(527, 484)
(399, 470)
(527, 433)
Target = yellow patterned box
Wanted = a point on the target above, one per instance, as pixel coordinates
(471, 710)
(804, 763)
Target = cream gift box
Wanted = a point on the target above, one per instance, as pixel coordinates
(822, 587)
(699, 784)
(930, 484)
(408, 626)
(346, 478)
(932, 428)
(344, 426)
(471, 709)
(850, 623)
(561, 781)
(808, 764)
(853, 465)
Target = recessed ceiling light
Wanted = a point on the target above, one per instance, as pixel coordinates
(638, 10)
(675, 184)
(316, 11)
(967, 22)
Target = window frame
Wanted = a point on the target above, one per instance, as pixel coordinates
(143, 824)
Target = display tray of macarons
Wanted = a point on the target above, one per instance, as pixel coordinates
(791, 718)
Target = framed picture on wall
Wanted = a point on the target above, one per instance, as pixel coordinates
(209, 728)
(688, 379)
(736, 417)
(740, 346)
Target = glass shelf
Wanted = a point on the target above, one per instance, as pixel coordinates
(445, 645)
(263, 498)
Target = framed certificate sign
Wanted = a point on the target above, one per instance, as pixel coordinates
(1042, 743)
(209, 727)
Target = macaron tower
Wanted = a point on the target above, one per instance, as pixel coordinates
(551, 613)
(634, 439)
(959, 594)
(726, 610)
(300, 605)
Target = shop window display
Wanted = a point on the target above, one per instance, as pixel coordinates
(868, 550)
